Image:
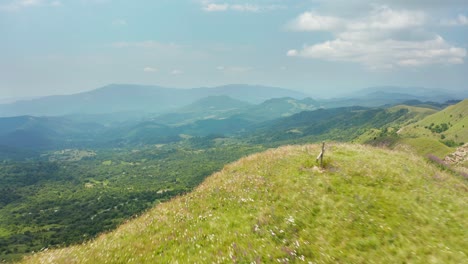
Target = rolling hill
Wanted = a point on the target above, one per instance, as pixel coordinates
(278, 107)
(220, 106)
(451, 122)
(342, 124)
(224, 107)
(446, 129)
(29, 132)
(368, 205)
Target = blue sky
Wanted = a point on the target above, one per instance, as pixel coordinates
(320, 47)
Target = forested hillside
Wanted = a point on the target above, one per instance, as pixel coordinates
(67, 179)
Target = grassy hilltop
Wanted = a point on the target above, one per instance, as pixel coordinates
(439, 133)
(425, 130)
(368, 206)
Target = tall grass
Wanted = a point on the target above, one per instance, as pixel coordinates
(368, 206)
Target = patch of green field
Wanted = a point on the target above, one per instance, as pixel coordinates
(425, 146)
(423, 111)
(380, 136)
(369, 205)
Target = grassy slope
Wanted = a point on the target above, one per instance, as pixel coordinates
(370, 206)
(422, 140)
(426, 146)
(417, 113)
(456, 114)
(414, 114)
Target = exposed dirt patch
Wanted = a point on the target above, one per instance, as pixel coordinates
(457, 157)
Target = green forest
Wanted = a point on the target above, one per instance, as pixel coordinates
(48, 204)
(67, 195)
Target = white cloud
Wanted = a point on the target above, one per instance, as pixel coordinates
(461, 20)
(29, 2)
(292, 52)
(176, 72)
(382, 39)
(245, 8)
(17, 5)
(210, 6)
(405, 4)
(309, 21)
(380, 18)
(150, 69)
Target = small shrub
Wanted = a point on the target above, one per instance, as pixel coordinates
(449, 143)
(436, 160)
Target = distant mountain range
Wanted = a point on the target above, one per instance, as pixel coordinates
(388, 95)
(136, 100)
(122, 115)
(117, 98)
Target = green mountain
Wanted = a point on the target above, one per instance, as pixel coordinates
(28, 132)
(211, 107)
(258, 123)
(215, 103)
(368, 205)
(424, 130)
(343, 124)
(278, 107)
(391, 95)
(419, 93)
(439, 133)
(145, 132)
(90, 177)
(71, 195)
(450, 123)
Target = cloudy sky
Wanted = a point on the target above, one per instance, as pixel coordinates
(322, 47)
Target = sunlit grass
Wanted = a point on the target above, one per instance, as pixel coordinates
(426, 146)
(455, 115)
(369, 205)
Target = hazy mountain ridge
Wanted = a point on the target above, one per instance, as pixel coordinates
(217, 106)
(120, 98)
(391, 95)
(278, 107)
(341, 124)
(128, 98)
(29, 132)
(275, 119)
